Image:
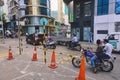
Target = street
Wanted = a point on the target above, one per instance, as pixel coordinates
(23, 68)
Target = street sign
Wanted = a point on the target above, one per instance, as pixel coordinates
(43, 21)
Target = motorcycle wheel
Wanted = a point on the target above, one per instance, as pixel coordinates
(107, 66)
(68, 45)
(76, 62)
(53, 46)
(79, 47)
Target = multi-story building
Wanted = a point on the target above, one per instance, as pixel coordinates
(107, 18)
(81, 17)
(31, 12)
(101, 17)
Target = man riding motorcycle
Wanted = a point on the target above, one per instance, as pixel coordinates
(74, 41)
(98, 53)
(101, 53)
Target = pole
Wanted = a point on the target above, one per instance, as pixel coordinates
(20, 40)
(19, 32)
(44, 43)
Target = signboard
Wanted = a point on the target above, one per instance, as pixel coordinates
(43, 21)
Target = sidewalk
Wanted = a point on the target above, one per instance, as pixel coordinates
(88, 45)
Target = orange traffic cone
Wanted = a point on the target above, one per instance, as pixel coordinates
(53, 63)
(10, 54)
(34, 55)
(81, 75)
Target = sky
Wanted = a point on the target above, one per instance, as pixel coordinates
(54, 5)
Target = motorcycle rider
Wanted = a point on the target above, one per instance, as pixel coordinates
(108, 49)
(74, 41)
(98, 53)
(49, 39)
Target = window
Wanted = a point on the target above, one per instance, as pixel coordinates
(102, 7)
(87, 9)
(78, 10)
(43, 11)
(117, 27)
(117, 7)
(43, 2)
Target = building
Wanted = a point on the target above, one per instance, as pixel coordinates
(107, 18)
(60, 12)
(81, 17)
(32, 13)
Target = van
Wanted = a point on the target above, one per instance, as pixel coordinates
(114, 39)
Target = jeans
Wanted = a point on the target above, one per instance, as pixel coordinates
(93, 61)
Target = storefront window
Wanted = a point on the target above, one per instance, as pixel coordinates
(86, 33)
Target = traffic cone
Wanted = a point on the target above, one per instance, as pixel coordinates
(10, 54)
(34, 55)
(81, 75)
(53, 63)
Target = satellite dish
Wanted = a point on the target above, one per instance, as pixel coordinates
(1, 2)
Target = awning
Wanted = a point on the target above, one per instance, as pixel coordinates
(67, 1)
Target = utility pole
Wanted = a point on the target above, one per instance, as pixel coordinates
(18, 6)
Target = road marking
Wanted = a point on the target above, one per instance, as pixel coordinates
(31, 73)
(76, 72)
(24, 70)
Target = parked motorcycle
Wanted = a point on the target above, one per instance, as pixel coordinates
(105, 65)
(51, 45)
(76, 46)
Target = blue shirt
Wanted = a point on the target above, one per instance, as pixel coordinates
(74, 39)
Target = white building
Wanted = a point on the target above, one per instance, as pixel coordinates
(107, 18)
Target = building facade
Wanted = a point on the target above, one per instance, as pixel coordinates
(31, 13)
(81, 17)
(107, 18)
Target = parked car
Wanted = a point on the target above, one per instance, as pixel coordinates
(35, 38)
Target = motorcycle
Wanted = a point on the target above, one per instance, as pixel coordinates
(105, 65)
(51, 45)
(76, 46)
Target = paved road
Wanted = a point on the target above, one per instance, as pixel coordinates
(22, 68)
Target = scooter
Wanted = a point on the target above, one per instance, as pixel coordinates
(51, 45)
(105, 65)
(76, 46)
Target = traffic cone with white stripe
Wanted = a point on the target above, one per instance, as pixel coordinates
(10, 54)
(53, 63)
(34, 54)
